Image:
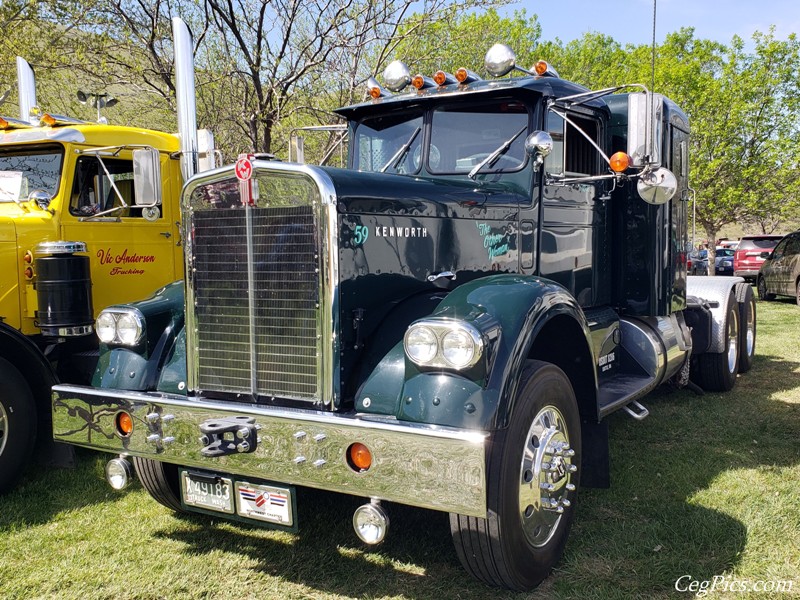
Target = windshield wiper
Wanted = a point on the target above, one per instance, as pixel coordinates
(400, 154)
(501, 149)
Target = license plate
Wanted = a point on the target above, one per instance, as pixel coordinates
(264, 503)
(207, 491)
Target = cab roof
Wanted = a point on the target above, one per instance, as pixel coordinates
(91, 134)
(552, 87)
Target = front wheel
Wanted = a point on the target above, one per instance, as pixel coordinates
(533, 475)
(17, 424)
(161, 480)
(716, 372)
(763, 294)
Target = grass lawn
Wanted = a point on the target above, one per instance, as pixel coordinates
(706, 486)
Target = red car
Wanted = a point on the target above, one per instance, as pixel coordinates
(747, 260)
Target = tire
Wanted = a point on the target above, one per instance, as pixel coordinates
(797, 292)
(747, 325)
(716, 372)
(516, 546)
(161, 480)
(762, 290)
(17, 424)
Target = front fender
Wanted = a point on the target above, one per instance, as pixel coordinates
(140, 368)
(522, 306)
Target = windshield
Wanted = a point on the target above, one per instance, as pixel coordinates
(465, 136)
(24, 170)
(457, 139)
(389, 143)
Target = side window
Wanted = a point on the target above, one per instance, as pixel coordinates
(94, 192)
(793, 245)
(780, 249)
(573, 155)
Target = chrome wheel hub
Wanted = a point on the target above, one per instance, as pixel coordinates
(733, 342)
(545, 476)
(3, 427)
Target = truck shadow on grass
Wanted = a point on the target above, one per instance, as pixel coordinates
(43, 491)
(667, 513)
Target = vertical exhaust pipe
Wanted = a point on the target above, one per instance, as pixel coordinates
(27, 91)
(184, 90)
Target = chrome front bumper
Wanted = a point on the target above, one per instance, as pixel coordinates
(427, 466)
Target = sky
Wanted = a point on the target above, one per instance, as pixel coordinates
(631, 21)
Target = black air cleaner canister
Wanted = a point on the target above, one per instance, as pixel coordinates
(64, 289)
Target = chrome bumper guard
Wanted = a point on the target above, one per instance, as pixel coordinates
(420, 465)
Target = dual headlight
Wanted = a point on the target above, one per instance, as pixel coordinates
(123, 326)
(443, 344)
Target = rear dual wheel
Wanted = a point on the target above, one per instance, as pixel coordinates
(716, 372)
(747, 325)
(533, 473)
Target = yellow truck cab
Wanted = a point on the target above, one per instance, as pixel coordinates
(89, 217)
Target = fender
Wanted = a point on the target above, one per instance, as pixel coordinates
(125, 368)
(25, 355)
(521, 306)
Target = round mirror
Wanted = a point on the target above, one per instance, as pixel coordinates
(396, 76)
(499, 61)
(539, 144)
(658, 186)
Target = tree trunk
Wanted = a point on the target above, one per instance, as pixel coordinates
(711, 236)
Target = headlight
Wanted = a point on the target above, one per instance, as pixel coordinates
(122, 326)
(129, 328)
(106, 327)
(443, 343)
(421, 344)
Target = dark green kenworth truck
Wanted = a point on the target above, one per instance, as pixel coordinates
(445, 323)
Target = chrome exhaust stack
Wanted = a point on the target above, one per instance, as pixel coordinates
(26, 82)
(185, 94)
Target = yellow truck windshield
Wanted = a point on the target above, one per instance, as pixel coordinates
(24, 170)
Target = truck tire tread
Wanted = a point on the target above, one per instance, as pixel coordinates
(711, 371)
(161, 482)
(747, 311)
(18, 427)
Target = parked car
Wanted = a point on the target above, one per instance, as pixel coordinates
(747, 260)
(697, 262)
(780, 272)
(723, 261)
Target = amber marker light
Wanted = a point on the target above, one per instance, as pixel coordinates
(48, 120)
(541, 67)
(4, 124)
(359, 457)
(375, 92)
(418, 82)
(124, 423)
(440, 77)
(28, 273)
(462, 74)
(619, 161)
(28, 258)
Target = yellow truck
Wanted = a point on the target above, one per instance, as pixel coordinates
(89, 217)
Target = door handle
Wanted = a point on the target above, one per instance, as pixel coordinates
(166, 234)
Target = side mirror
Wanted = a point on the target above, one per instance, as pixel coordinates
(147, 177)
(539, 145)
(645, 128)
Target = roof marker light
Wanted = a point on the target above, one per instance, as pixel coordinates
(466, 76)
(442, 78)
(421, 82)
(374, 89)
(543, 69)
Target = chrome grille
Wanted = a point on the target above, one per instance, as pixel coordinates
(257, 325)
